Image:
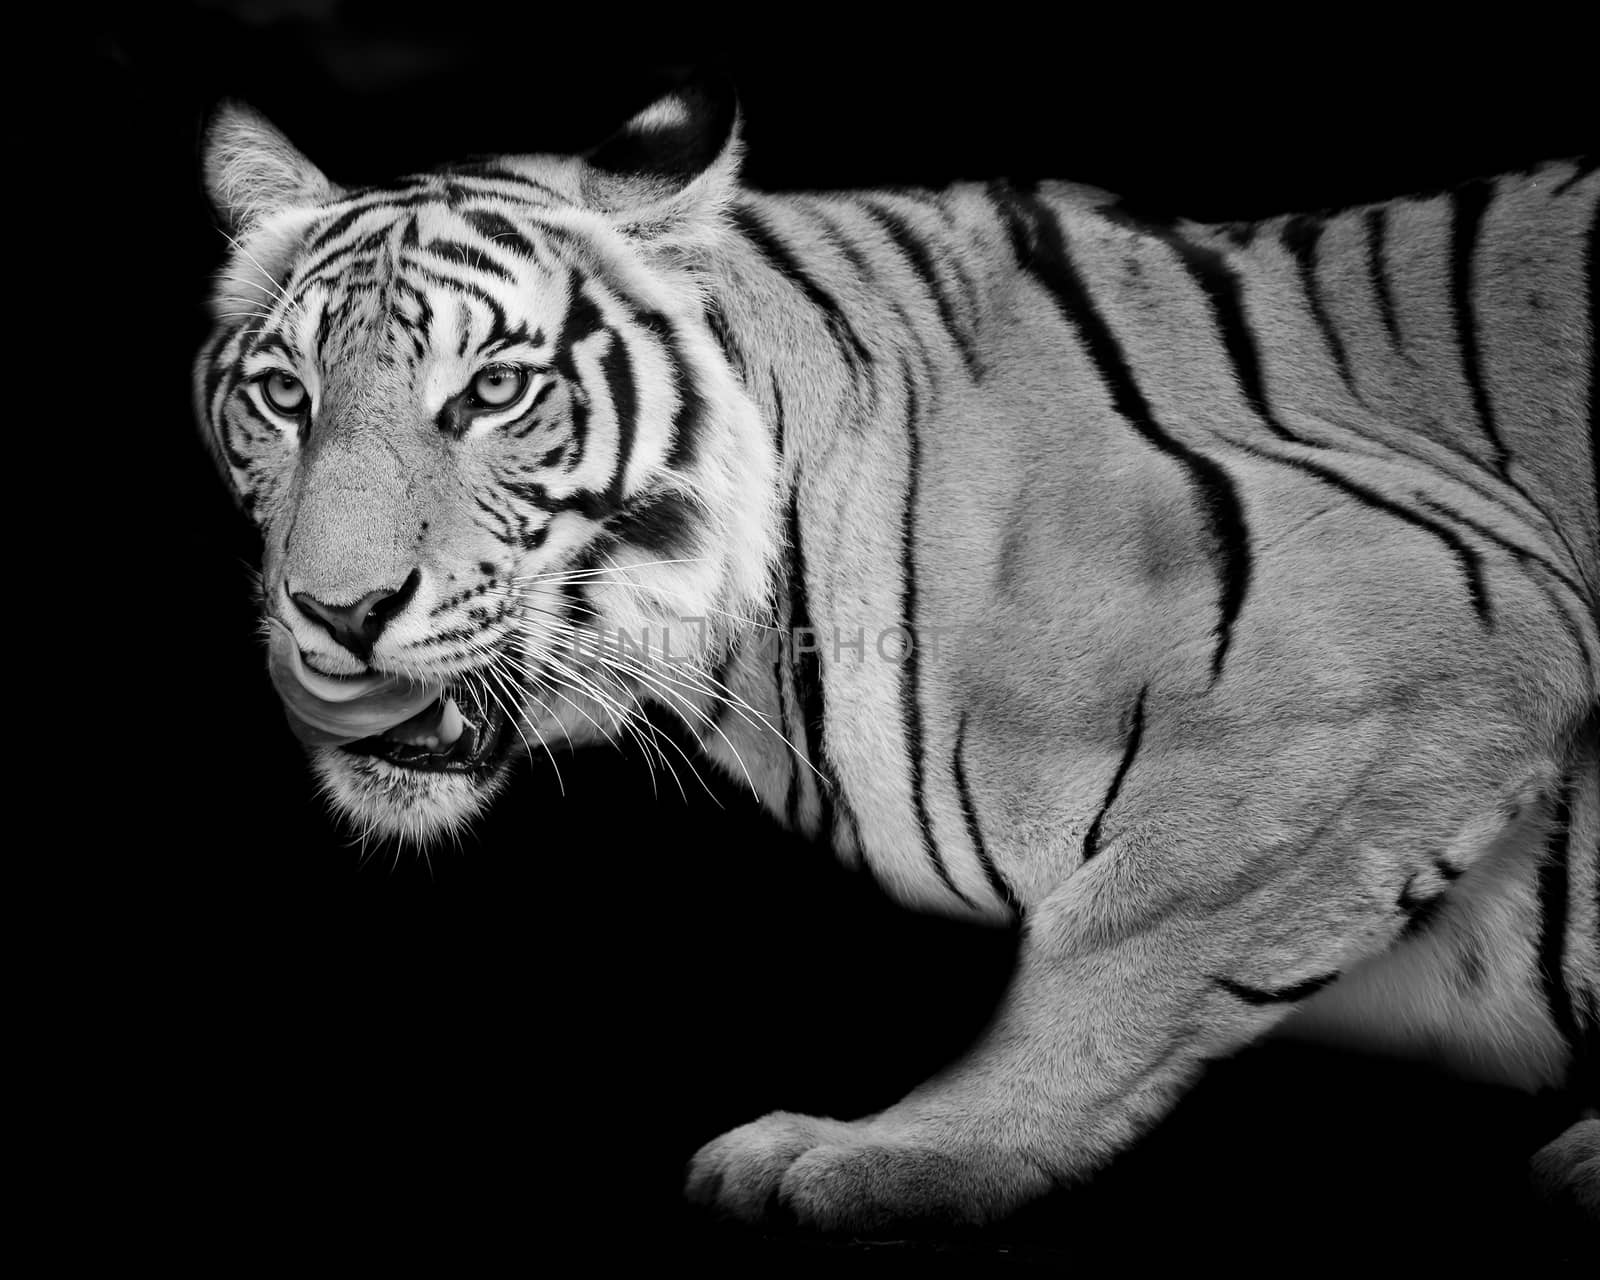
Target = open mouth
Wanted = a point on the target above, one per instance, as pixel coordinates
(458, 732)
(442, 728)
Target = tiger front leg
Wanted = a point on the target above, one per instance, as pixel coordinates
(1110, 1015)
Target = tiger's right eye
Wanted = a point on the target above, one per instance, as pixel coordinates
(284, 392)
(498, 385)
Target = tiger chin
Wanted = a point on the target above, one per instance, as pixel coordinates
(1214, 605)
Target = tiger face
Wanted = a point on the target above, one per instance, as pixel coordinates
(475, 417)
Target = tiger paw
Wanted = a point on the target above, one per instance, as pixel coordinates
(1567, 1171)
(740, 1173)
(827, 1175)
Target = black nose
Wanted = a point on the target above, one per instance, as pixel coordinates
(357, 626)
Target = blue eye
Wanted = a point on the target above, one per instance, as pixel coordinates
(498, 386)
(284, 392)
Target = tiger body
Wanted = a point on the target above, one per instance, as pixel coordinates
(1216, 603)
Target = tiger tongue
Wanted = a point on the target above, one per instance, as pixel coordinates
(436, 726)
(325, 711)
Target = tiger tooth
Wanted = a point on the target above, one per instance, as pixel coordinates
(450, 723)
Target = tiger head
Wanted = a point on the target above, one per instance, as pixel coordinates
(477, 416)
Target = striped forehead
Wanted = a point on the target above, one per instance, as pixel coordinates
(425, 282)
(425, 230)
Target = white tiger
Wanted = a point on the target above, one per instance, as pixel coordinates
(1217, 604)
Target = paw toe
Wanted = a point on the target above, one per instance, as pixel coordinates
(739, 1173)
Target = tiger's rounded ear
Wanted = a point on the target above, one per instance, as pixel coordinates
(677, 160)
(252, 171)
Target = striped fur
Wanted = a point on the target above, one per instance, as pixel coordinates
(1250, 573)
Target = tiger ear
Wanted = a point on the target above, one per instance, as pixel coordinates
(253, 172)
(676, 162)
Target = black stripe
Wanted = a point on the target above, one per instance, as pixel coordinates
(1469, 560)
(307, 275)
(489, 171)
(1091, 841)
(1484, 531)
(1041, 251)
(689, 418)
(363, 202)
(337, 227)
(531, 419)
(922, 265)
(778, 256)
(1554, 904)
(840, 238)
(583, 320)
(403, 290)
(1563, 606)
(572, 241)
(779, 660)
(806, 672)
(473, 257)
(663, 523)
(1468, 205)
(269, 341)
(510, 336)
(586, 503)
(910, 668)
(777, 419)
(1223, 290)
(531, 539)
(1001, 886)
(717, 323)
(446, 281)
(1378, 268)
(503, 530)
(616, 366)
(225, 437)
(1301, 237)
(1284, 995)
(500, 229)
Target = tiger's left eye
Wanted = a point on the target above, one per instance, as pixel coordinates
(284, 392)
(498, 385)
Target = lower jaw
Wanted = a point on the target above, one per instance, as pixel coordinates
(480, 752)
(412, 809)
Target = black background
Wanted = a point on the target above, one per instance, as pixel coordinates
(518, 1043)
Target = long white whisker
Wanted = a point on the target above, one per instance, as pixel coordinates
(551, 664)
(670, 742)
(624, 717)
(666, 681)
(674, 699)
(594, 571)
(514, 714)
